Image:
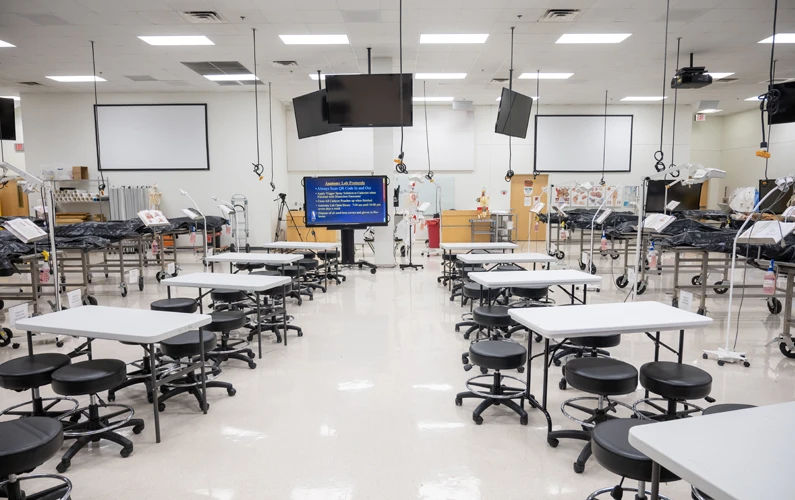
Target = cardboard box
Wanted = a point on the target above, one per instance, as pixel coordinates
(79, 173)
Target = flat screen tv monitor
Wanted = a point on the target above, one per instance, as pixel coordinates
(8, 124)
(777, 202)
(785, 113)
(689, 197)
(369, 100)
(346, 202)
(311, 115)
(514, 114)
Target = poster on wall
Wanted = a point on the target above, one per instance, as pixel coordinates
(630, 195)
(596, 196)
(562, 196)
(613, 196)
(579, 197)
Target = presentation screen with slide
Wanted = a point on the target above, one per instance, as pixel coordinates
(346, 202)
(577, 143)
(153, 136)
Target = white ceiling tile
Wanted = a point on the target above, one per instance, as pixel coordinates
(722, 15)
(123, 18)
(322, 16)
(356, 5)
(104, 5)
(279, 16)
(162, 16)
(328, 28)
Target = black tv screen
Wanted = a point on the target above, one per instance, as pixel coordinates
(8, 124)
(689, 197)
(346, 202)
(514, 114)
(369, 100)
(771, 204)
(786, 104)
(311, 115)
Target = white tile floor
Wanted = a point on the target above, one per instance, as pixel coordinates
(361, 407)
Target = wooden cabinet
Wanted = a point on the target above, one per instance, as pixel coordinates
(297, 231)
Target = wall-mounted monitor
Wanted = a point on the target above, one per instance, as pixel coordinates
(777, 202)
(689, 197)
(785, 110)
(513, 116)
(8, 124)
(311, 115)
(369, 100)
(347, 202)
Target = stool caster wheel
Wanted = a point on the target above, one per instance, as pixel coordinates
(452, 298)
(721, 362)
(465, 358)
(300, 333)
(617, 492)
(705, 356)
(466, 336)
(138, 429)
(556, 362)
(112, 397)
(562, 385)
(14, 346)
(161, 407)
(125, 452)
(458, 401)
(59, 344)
(252, 365)
(231, 391)
(523, 420)
(251, 355)
(508, 335)
(520, 369)
(484, 371)
(457, 330)
(478, 419)
(579, 468)
(249, 338)
(467, 367)
(553, 442)
(746, 364)
(75, 418)
(538, 339)
(63, 466)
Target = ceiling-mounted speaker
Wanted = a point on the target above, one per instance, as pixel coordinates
(462, 105)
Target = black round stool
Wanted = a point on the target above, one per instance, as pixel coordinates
(331, 264)
(471, 293)
(604, 378)
(492, 317)
(229, 299)
(143, 367)
(675, 383)
(275, 321)
(311, 279)
(251, 266)
(584, 346)
(611, 448)
(296, 273)
(186, 346)
(87, 425)
(496, 355)
(266, 273)
(30, 372)
(24, 445)
(224, 322)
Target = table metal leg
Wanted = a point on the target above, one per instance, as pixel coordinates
(284, 311)
(681, 344)
(546, 373)
(259, 326)
(155, 389)
(655, 481)
(203, 370)
(168, 291)
(199, 299)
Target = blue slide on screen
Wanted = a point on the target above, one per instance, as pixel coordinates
(345, 201)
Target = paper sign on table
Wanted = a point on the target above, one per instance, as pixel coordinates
(209, 251)
(671, 205)
(132, 275)
(686, 300)
(631, 278)
(74, 299)
(17, 313)
(172, 268)
(537, 208)
(585, 258)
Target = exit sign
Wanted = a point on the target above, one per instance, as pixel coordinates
(19, 146)
(701, 117)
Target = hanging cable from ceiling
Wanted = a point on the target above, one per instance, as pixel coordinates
(102, 185)
(258, 168)
(429, 175)
(770, 99)
(509, 174)
(604, 145)
(401, 167)
(659, 155)
(270, 132)
(538, 95)
(676, 99)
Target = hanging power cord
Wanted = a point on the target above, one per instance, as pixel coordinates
(673, 120)
(769, 130)
(429, 175)
(659, 156)
(538, 97)
(258, 168)
(509, 174)
(270, 132)
(770, 99)
(102, 185)
(604, 146)
(401, 167)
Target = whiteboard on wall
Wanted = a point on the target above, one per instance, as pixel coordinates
(153, 137)
(350, 149)
(576, 143)
(440, 193)
(451, 138)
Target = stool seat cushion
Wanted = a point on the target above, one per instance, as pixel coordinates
(530, 293)
(178, 304)
(27, 443)
(279, 290)
(308, 263)
(723, 408)
(327, 254)
(497, 354)
(266, 273)
(293, 270)
(226, 321)
(492, 316)
(250, 266)
(28, 372)
(473, 291)
(675, 380)
(186, 344)
(308, 254)
(89, 377)
(227, 296)
(597, 341)
(611, 448)
(448, 256)
(508, 267)
(601, 376)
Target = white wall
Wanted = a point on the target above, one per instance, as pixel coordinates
(491, 153)
(60, 131)
(706, 148)
(742, 133)
(13, 157)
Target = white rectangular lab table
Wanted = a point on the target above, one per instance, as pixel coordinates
(737, 455)
(505, 258)
(449, 248)
(269, 259)
(139, 326)
(591, 320)
(249, 283)
(539, 279)
(299, 245)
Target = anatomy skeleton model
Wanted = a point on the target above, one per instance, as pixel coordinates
(154, 198)
(483, 205)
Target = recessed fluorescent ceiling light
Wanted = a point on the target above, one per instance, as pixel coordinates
(6, 44)
(177, 40)
(432, 99)
(644, 98)
(780, 38)
(231, 78)
(718, 76)
(754, 98)
(16, 98)
(545, 76)
(453, 38)
(531, 97)
(440, 76)
(593, 38)
(709, 111)
(73, 79)
(314, 39)
(313, 76)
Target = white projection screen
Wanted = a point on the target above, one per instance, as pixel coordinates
(153, 137)
(575, 143)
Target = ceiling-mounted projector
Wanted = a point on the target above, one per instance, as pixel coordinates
(691, 78)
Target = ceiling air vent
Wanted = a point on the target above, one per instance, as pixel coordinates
(284, 64)
(203, 17)
(560, 15)
(30, 84)
(499, 80)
